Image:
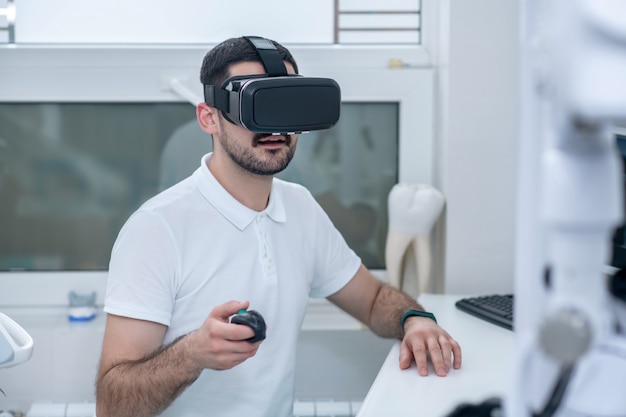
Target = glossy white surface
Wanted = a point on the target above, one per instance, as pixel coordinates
(487, 353)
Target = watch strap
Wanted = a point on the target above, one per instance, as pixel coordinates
(419, 313)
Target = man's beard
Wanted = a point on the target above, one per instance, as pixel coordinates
(277, 159)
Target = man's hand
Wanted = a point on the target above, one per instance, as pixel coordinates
(220, 345)
(380, 306)
(140, 377)
(423, 338)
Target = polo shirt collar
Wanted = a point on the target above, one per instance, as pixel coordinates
(235, 212)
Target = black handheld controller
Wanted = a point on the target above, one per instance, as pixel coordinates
(252, 319)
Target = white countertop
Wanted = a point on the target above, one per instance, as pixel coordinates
(487, 353)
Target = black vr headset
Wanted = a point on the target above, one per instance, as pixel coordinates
(276, 102)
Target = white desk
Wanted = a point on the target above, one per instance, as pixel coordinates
(487, 353)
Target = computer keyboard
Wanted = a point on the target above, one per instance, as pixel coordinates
(496, 308)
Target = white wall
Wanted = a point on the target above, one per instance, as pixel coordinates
(478, 146)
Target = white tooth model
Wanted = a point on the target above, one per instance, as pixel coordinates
(16, 345)
(413, 211)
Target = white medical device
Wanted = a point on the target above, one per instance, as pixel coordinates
(570, 310)
(16, 345)
(570, 317)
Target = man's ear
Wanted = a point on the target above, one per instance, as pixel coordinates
(207, 118)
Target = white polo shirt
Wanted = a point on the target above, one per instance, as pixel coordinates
(193, 247)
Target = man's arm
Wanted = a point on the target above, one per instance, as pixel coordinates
(139, 377)
(381, 307)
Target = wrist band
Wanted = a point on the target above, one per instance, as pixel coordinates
(419, 313)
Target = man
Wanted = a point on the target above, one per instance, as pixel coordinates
(228, 238)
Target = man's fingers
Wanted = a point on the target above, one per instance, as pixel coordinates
(230, 359)
(446, 350)
(406, 356)
(421, 361)
(240, 347)
(436, 356)
(224, 311)
(456, 351)
(440, 351)
(239, 332)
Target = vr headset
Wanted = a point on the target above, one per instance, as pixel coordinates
(276, 102)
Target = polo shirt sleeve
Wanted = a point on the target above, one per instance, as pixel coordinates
(336, 263)
(142, 270)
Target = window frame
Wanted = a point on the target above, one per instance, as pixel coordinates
(22, 79)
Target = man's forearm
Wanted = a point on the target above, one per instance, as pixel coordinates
(387, 310)
(145, 387)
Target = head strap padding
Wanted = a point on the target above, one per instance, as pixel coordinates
(270, 57)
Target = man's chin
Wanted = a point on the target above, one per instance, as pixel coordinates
(266, 164)
(271, 169)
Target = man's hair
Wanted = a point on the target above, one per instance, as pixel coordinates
(217, 62)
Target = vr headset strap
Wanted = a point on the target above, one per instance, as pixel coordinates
(272, 62)
(216, 97)
(271, 58)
